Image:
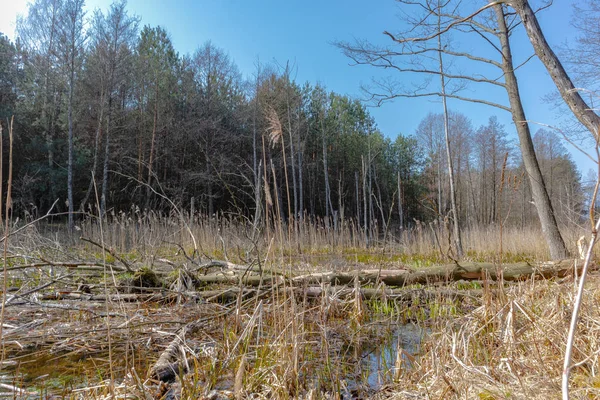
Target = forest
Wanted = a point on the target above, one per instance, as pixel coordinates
(103, 100)
(281, 243)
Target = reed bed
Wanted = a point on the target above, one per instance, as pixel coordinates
(222, 237)
(504, 341)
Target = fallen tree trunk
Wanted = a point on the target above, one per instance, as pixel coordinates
(220, 295)
(235, 279)
(443, 273)
(80, 265)
(126, 297)
(308, 284)
(168, 366)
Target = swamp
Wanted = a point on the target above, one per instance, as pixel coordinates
(347, 200)
(86, 320)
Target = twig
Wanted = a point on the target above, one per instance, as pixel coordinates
(6, 231)
(48, 214)
(110, 251)
(575, 316)
(37, 289)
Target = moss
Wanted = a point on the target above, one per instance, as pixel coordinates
(144, 277)
(486, 395)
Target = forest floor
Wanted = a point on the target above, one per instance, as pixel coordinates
(165, 320)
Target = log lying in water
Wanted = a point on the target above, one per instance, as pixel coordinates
(169, 364)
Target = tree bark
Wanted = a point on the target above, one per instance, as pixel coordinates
(152, 143)
(70, 161)
(552, 234)
(457, 238)
(106, 160)
(96, 150)
(328, 205)
(569, 93)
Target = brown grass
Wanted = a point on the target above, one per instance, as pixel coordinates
(501, 345)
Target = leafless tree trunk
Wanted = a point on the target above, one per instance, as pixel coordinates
(457, 237)
(328, 205)
(584, 113)
(152, 143)
(255, 164)
(541, 199)
(48, 122)
(415, 44)
(106, 160)
(73, 40)
(292, 152)
(400, 209)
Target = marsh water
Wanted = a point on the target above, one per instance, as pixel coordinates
(373, 364)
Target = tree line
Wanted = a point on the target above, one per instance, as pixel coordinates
(108, 113)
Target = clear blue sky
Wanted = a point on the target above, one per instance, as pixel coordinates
(302, 32)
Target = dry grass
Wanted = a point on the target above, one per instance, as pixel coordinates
(283, 345)
(510, 349)
(223, 237)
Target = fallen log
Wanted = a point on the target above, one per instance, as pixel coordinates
(80, 265)
(221, 295)
(125, 297)
(443, 273)
(169, 364)
(236, 279)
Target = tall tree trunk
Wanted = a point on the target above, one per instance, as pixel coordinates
(457, 237)
(255, 163)
(494, 178)
(96, 152)
(48, 120)
(300, 166)
(106, 161)
(370, 185)
(400, 209)
(328, 205)
(209, 191)
(365, 210)
(70, 161)
(140, 137)
(439, 184)
(152, 144)
(584, 113)
(552, 234)
(300, 187)
(292, 154)
(356, 185)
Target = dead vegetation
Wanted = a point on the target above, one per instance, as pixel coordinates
(242, 318)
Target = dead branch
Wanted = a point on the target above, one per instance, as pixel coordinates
(110, 251)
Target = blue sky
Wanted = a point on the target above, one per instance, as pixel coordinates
(302, 32)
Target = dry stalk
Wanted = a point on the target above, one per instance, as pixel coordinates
(276, 133)
(6, 230)
(576, 308)
(105, 274)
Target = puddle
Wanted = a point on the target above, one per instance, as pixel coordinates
(380, 363)
(46, 373)
(397, 351)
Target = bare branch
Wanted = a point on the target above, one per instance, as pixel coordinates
(380, 98)
(445, 29)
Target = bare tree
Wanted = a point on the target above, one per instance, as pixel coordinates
(37, 34)
(72, 42)
(571, 95)
(112, 38)
(412, 52)
(457, 238)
